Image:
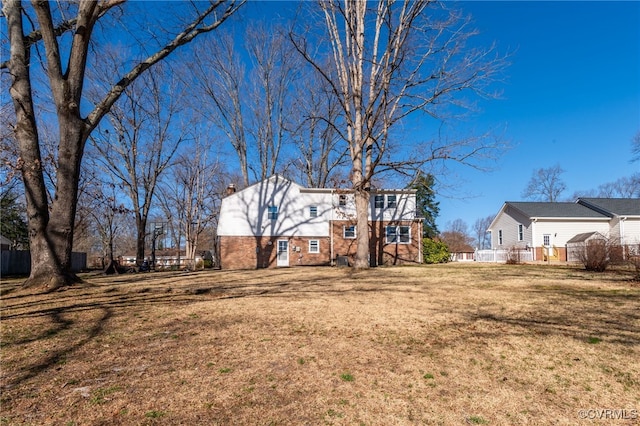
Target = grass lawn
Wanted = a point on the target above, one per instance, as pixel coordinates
(437, 345)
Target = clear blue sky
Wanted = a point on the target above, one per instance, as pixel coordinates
(572, 97)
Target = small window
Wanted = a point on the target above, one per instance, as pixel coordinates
(520, 232)
(500, 237)
(405, 234)
(391, 202)
(342, 200)
(546, 239)
(313, 211)
(314, 246)
(398, 234)
(272, 212)
(391, 233)
(379, 201)
(349, 231)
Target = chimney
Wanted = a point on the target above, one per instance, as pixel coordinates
(231, 189)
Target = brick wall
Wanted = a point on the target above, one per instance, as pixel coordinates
(261, 252)
(255, 253)
(381, 253)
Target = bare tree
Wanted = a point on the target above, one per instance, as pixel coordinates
(321, 153)
(251, 107)
(545, 184)
(635, 147)
(456, 236)
(480, 228)
(391, 60)
(65, 62)
(191, 198)
(137, 146)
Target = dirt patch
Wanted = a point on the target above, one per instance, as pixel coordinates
(447, 344)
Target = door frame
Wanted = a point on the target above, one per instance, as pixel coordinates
(282, 262)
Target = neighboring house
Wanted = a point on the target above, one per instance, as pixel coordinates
(5, 243)
(278, 223)
(465, 253)
(547, 228)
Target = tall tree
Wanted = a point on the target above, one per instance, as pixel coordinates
(191, 197)
(480, 228)
(65, 61)
(456, 236)
(248, 96)
(545, 184)
(143, 133)
(320, 155)
(426, 205)
(391, 60)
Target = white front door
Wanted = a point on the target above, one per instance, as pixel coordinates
(283, 253)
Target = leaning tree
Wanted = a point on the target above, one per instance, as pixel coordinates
(59, 37)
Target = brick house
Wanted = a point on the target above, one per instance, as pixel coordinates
(278, 223)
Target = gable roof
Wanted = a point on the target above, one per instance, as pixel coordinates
(555, 210)
(613, 206)
(581, 238)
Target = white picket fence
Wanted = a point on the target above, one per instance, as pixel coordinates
(498, 256)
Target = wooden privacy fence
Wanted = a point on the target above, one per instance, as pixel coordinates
(18, 262)
(504, 255)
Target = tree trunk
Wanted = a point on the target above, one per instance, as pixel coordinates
(362, 229)
(140, 241)
(51, 236)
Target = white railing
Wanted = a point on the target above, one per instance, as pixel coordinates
(503, 255)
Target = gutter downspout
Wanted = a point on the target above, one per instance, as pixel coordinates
(533, 238)
(331, 262)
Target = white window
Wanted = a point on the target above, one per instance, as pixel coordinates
(272, 212)
(500, 237)
(349, 232)
(391, 202)
(314, 246)
(378, 201)
(546, 240)
(520, 232)
(313, 211)
(398, 234)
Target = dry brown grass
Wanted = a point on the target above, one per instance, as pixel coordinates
(447, 344)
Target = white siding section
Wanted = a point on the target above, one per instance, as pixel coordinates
(631, 230)
(508, 222)
(245, 213)
(562, 230)
(405, 208)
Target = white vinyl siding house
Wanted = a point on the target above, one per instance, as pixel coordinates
(546, 228)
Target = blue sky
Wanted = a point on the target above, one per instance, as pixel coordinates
(572, 97)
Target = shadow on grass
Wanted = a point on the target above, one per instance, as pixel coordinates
(56, 356)
(578, 313)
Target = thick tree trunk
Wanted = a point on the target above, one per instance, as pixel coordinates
(51, 237)
(362, 228)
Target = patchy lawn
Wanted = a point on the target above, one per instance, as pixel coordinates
(447, 344)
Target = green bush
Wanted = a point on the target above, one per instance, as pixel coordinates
(435, 251)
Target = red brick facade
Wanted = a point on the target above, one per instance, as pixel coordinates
(261, 252)
(381, 252)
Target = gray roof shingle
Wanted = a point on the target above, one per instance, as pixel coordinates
(555, 210)
(614, 206)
